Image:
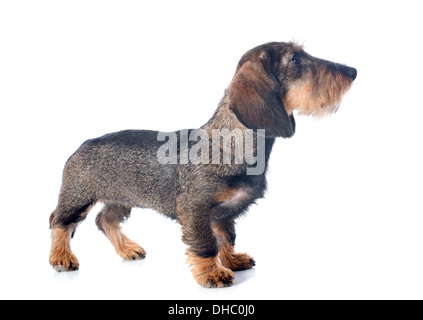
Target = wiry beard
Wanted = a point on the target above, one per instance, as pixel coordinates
(318, 95)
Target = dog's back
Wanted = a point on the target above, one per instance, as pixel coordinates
(120, 168)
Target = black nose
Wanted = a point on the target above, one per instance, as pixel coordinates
(349, 72)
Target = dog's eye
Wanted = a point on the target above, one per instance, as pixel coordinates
(295, 59)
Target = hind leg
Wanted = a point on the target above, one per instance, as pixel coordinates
(63, 224)
(61, 257)
(108, 221)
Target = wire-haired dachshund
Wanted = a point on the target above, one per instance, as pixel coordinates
(138, 168)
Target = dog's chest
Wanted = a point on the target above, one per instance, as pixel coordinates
(234, 197)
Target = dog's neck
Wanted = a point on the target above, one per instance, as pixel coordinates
(224, 118)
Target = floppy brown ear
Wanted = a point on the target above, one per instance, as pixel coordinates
(255, 98)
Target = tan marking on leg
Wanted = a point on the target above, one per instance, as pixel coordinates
(125, 247)
(61, 256)
(209, 272)
(229, 258)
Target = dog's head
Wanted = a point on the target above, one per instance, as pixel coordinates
(274, 79)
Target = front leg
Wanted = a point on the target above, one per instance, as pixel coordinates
(203, 251)
(225, 233)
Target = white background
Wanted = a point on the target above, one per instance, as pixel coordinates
(343, 216)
